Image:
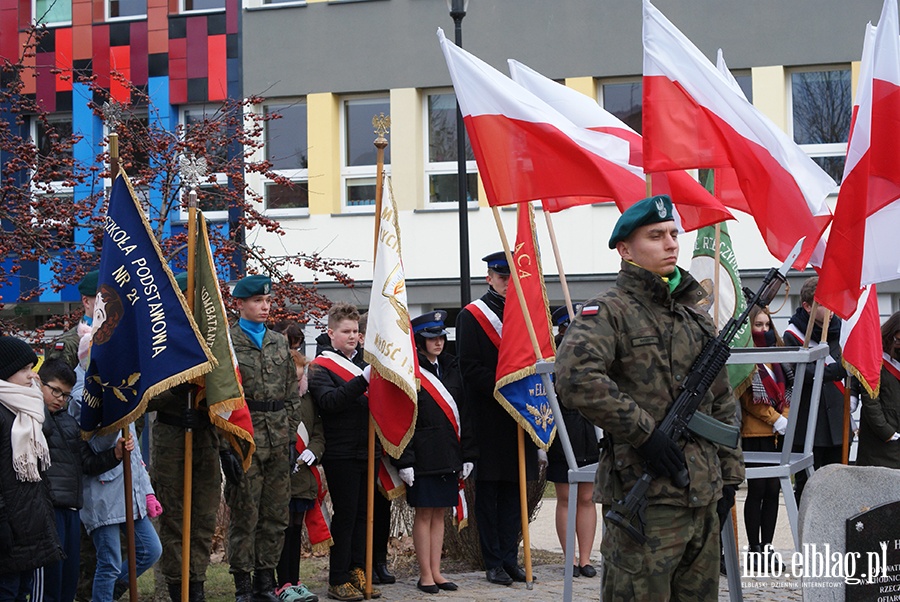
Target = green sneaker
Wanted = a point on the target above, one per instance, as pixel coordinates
(344, 591)
(301, 593)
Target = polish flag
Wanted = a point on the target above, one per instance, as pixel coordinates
(695, 206)
(527, 150)
(694, 118)
(861, 340)
(863, 246)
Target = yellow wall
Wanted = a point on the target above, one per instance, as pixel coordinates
(770, 93)
(585, 85)
(406, 140)
(323, 123)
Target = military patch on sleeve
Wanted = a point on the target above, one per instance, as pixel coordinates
(590, 310)
(640, 341)
(60, 346)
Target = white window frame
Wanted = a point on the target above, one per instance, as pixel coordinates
(833, 149)
(220, 178)
(198, 11)
(296, 176)
(57, 186)
(34, 15)
(439, 168)
(110, 19)
(362, 174)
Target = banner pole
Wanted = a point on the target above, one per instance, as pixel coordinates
(559, 266)
(523, 494)
(381, 124)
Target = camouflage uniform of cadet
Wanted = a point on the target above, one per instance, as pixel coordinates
(621, 364)
(167, 477)
(259, 503)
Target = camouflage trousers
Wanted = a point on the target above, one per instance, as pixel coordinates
(167, 476)
(259, 511)
(680, 560)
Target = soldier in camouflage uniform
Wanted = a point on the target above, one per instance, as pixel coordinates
(173, 417)
(66, 346)
(621, 364)
(259, 502)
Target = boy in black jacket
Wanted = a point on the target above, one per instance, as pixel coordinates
(70, 458)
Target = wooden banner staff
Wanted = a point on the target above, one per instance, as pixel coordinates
(191, 170)
(559, 266)
(523, 494)
(382, 124)
(111, 115)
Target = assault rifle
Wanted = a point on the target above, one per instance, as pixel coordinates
(683, 414)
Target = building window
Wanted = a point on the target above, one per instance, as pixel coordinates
(287, 150)
(54, 141)
(202, 5)
(52, 12)
(206, 125)
(821, 106)
(358, 169)
(441, 168)
(118, 9)
(623, 99)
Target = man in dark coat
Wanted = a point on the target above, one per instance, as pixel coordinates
(829, 436)
(479, 328)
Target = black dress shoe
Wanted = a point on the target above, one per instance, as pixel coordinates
(576, 572)
(516, 572)
(588, 571)
(428, 589)
(381, 576)
(499, 576)
(448, 586)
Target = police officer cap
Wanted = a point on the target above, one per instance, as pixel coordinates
(257, 284)
(497, 262)
(90, 282)
(561, 315)
(651, 210)
(181, 281)
(430, 325)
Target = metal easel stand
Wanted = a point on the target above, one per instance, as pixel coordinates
(786, 463)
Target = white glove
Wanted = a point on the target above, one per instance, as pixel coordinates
(854, 403)
(307, 456)
(408, 475)
(467, 469)
(542, 458)
(895, 436)
(780, 425)
(367, 373)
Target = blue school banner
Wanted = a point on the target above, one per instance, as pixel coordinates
(143, 339)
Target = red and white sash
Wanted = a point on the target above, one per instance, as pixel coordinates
(891, 365)
(316, 518)
(801, 336)
(442, 397)
(490, 322)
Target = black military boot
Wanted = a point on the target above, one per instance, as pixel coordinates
(381, 575)
(243, 590)
(174, 591)
(195, 592)
(264, 586)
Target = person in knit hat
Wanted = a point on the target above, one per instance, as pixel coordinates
(27, 526)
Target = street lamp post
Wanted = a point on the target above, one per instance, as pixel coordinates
(457, 10)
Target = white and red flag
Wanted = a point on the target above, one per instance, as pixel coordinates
(693, 117)
(393, 387)
(695, 206)
(861, 341)
(527, 150)
(863, 245)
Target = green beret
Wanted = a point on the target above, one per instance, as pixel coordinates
(652, 210)
(181, 281)
(252, 285)
(90, 282)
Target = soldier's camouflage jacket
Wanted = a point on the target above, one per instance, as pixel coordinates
(268, 374)
(66, 347)
(622, 367)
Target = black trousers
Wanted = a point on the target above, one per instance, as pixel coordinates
(499, 522)
(347, 484)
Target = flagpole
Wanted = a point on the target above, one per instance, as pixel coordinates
(559, 266)
(523, 494)
(381, 123)
(191, 171)
(112, 115)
